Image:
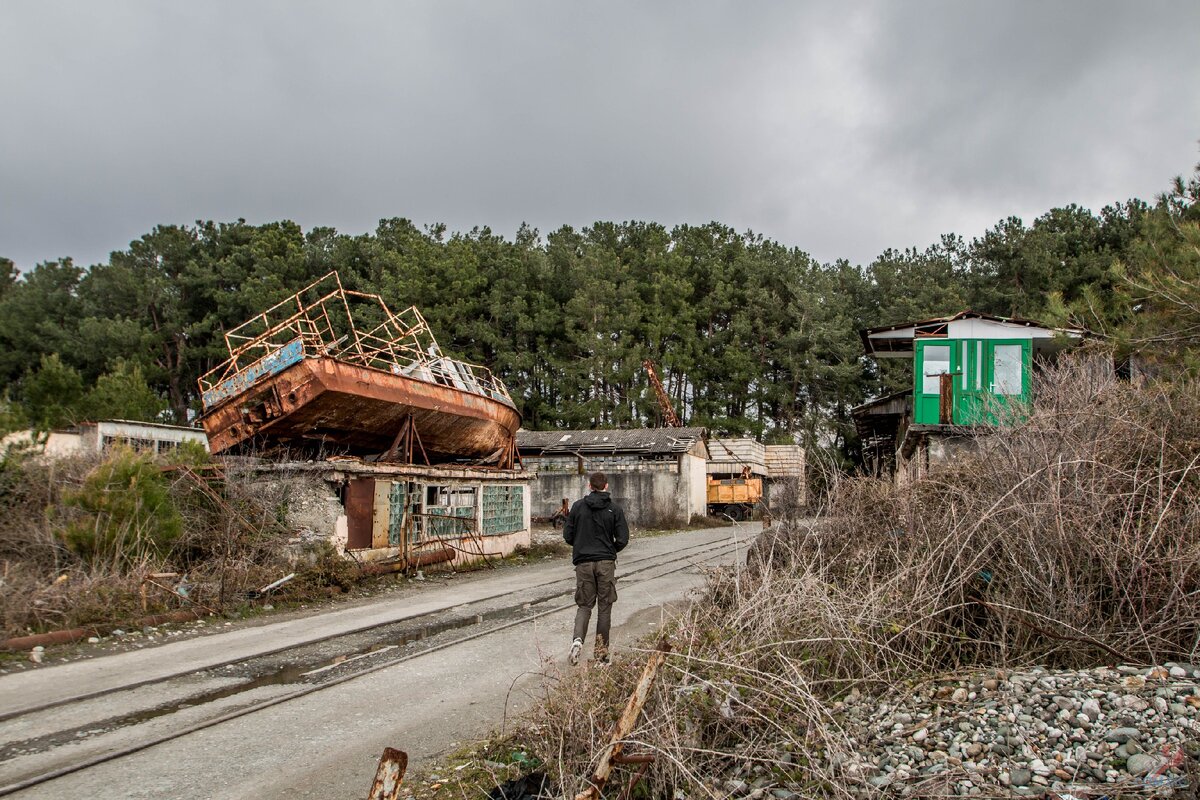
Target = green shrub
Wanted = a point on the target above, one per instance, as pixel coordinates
(190, 454)
(325, 568)
(126, 512)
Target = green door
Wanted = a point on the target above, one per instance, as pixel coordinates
(1009, 369)
(934, 357)
(971, 390)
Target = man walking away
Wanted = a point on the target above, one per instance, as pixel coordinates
(597, 531)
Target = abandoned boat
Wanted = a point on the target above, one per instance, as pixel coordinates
(336, 370)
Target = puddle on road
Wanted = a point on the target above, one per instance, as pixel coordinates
(296, 673)
(309, 672)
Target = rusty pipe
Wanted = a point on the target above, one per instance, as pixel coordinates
(75, 634)
(425, 559)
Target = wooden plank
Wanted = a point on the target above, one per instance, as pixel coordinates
(381, 506)
(946, 400)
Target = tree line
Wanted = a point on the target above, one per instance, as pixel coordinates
(750, 336)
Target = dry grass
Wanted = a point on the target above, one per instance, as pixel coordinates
(1070, 540)
(225, 547)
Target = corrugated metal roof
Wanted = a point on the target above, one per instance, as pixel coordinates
(968, 314)
(646, 441)
(875, 346)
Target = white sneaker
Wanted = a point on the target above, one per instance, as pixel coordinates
(576, 649)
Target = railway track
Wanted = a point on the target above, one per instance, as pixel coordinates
(233, 689)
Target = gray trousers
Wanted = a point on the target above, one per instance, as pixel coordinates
(595, 583)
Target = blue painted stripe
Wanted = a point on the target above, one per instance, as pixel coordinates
(271, 364)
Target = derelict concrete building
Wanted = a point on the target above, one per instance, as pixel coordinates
(657, 475)
(394, 511)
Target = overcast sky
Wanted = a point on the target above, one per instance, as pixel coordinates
(840, 128)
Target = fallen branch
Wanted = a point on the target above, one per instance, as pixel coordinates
(626, 722)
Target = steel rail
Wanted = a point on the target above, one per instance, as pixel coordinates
(129, 750)
(8, 715)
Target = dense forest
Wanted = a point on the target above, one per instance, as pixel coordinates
(750, 336)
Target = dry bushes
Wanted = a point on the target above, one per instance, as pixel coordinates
(78, 537)
(1069, 540)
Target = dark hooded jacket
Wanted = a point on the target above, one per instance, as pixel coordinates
(596, 529)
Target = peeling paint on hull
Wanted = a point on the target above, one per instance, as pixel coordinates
(359, 410)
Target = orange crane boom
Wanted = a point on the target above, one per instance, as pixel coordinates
(670, 418)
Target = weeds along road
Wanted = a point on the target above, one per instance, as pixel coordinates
(302, 708)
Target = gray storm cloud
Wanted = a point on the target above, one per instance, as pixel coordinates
(840, 132)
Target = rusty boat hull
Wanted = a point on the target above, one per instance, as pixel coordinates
(348, 408)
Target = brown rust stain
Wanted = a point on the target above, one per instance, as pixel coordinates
(360, 410)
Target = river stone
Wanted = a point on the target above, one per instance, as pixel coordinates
(1020, 777)
(1122, 735)
(1140, 764)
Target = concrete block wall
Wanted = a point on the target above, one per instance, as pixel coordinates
(651, 499)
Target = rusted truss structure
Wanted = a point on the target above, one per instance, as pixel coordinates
(326, 320)
(339, 368)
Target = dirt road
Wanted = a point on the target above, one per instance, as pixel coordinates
(302, 708)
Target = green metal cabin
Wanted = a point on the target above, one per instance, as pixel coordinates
(985, 375)
(986, 361)
(969, 371)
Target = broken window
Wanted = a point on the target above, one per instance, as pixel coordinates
(450, 510)
(1006, 369)
(503, 509)
(937, 363)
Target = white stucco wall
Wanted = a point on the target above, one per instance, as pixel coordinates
(990, 329)
(696, 469)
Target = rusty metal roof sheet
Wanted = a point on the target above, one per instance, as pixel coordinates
(646, 441)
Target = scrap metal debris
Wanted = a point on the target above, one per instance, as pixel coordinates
(390, 774)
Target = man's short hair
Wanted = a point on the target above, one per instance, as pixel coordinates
(598, 481)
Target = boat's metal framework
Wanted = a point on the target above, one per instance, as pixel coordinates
(326, 320)
(336, 369)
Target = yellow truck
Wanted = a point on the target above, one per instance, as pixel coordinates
(733, 497)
